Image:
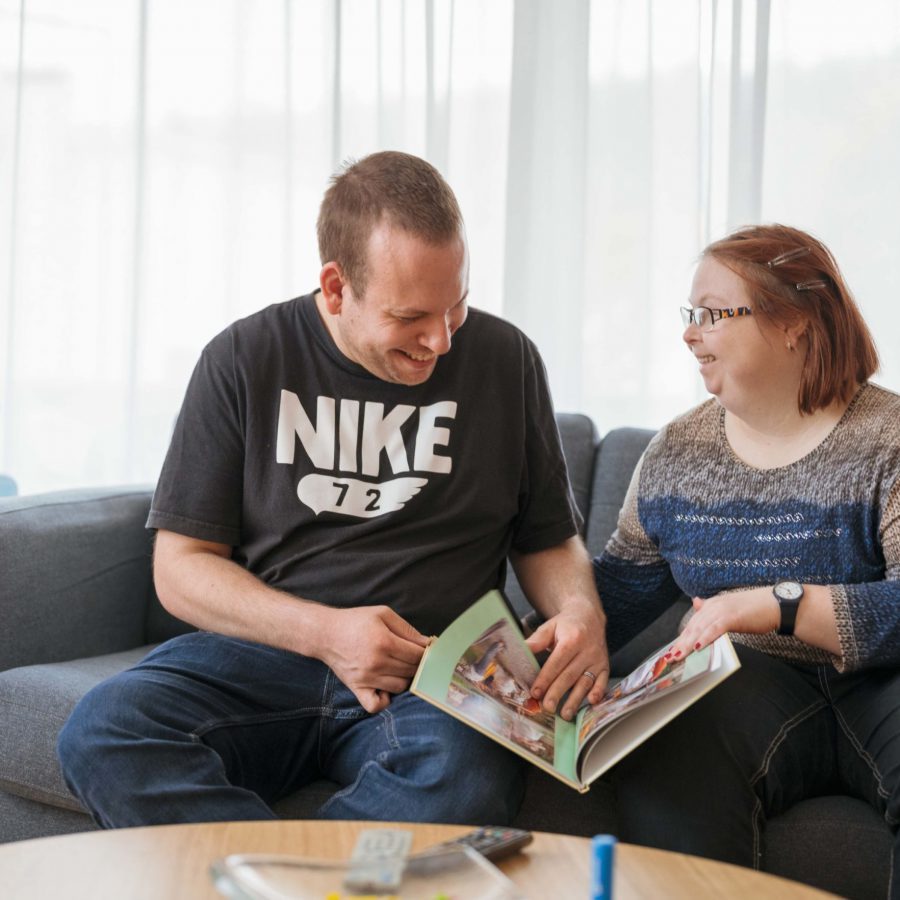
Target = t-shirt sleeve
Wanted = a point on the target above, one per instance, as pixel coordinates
(547, 511)
(200, 488)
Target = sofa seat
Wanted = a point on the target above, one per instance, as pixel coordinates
(35, 702)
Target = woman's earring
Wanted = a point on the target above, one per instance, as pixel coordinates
(790, 346)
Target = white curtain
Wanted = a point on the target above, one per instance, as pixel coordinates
(161, 165)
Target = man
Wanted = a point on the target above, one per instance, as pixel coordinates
(340, 484)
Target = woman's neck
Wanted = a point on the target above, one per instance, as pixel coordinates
(777, 434)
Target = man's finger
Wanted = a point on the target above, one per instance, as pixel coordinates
(573, 680)
(550, 671)
(399, 626)
(391, 684)
(581, 678)
(595, 694)
(371, 700)
(391, 667)
(403, 652)
(542, 638)
(579, 691)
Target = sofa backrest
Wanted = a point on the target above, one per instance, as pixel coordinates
(74, 574)
(617, 456)
(580, 441)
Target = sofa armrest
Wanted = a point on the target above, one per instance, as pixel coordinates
(75, 574)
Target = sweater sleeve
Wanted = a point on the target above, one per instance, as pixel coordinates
(868, 615)
(634, 582)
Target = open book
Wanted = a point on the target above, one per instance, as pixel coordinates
(480, 670)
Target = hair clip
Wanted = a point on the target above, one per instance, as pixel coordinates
(786, 257)
(810, 285)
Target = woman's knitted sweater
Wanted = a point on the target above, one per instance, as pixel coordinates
(698, 520)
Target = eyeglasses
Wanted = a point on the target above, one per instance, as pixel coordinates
(705, 318)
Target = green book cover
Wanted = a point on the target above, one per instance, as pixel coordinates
(481, 670)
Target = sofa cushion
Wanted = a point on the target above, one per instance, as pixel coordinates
(25, 820)
(837, 843)
(550, 805)
(35, 702)
(305, 803)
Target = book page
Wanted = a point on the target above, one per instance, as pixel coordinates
(481, 671)
(626, 729)
(653, 677)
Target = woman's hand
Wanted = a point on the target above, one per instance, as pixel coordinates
(754, 611)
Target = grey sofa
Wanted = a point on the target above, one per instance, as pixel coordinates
(77, 604)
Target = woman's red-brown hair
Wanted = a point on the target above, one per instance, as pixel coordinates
(840, 352)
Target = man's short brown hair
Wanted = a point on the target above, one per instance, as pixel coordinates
(792, 277)
(398, 188)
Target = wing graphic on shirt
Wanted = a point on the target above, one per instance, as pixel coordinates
(360, 499)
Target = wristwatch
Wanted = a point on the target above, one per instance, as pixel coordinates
(788, 594)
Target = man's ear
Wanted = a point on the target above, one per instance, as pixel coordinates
(333, 284)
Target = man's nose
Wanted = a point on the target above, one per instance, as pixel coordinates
(437, 337)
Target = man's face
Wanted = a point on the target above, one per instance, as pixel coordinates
(414, 301)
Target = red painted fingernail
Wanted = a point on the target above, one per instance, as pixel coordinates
(677, 653)
(698, 645)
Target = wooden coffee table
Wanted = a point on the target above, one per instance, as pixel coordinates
(173, 861)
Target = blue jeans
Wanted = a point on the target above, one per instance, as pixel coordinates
(769, 736)
(211, 728)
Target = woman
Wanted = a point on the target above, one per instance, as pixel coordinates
(776, 506)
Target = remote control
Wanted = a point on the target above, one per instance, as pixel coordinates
(376, 866)
(493, 842)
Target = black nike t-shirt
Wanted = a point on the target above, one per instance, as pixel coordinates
(338, 487)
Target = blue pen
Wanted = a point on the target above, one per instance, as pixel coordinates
(602, 847)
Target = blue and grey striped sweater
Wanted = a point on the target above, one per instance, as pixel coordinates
(699, 520)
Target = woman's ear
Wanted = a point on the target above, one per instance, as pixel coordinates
(793, 333)
(333, 284)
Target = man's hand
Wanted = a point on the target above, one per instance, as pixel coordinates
(577, 641)
(373, 651)
(559, 582)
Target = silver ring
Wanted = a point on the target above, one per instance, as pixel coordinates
(590, 675)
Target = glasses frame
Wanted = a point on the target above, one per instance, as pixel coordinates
(716, 314)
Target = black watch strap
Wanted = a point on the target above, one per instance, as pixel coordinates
(788, 594)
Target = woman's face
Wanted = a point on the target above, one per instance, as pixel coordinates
(742, 357)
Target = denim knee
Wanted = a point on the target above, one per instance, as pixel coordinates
(481, 784)
(88, 725)
(414, 763)
(452, 773)
(80, 740)
(469, 794)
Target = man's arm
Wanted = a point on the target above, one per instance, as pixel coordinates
(371, 649)
(559, 583)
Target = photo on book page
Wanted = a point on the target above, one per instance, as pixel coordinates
(655, 675)
(491, 686)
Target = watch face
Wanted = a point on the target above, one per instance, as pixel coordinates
(788, 590)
